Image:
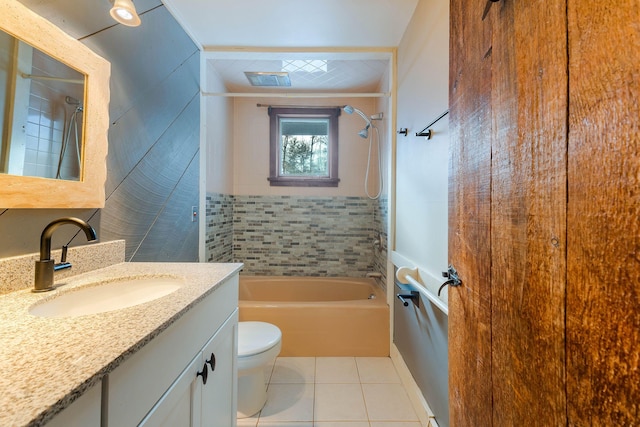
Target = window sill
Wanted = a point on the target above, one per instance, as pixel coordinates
(279, 181)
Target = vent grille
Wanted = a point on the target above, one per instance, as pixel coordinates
(268, 78)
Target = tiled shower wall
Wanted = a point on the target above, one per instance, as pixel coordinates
(381, 231)
(219, 228)
(302, 236)
(50, 119)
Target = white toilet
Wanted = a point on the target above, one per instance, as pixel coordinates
(259, 344)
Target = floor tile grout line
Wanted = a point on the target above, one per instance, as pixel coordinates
(306, 381)
(315, 381)
(364, 401)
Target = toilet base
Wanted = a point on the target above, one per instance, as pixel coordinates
(252, 394)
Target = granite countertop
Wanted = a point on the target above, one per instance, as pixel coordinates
(47, 363)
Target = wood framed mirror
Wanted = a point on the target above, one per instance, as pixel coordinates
(54, 98)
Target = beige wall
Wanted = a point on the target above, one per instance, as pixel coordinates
(384, 106)
(251, 148)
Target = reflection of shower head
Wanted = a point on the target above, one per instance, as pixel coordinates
(71, 100)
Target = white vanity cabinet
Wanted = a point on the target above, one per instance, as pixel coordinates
(159, 385)
(83, 412)
(203, 395)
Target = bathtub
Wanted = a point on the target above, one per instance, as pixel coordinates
(318, 316)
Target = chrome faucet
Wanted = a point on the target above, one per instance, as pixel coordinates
(46, 266)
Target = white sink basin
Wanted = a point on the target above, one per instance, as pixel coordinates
(107, 296)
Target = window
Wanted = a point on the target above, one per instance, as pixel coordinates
(304, 147)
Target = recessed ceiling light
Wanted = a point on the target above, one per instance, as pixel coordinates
(305, 65)
(125, 13)
(267, 78)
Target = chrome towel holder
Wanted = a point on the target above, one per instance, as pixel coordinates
(426, 131)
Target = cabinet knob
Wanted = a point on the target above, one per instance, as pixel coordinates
(212, 362)
(204, 374)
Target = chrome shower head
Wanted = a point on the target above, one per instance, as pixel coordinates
(364, 133)
(350, 110)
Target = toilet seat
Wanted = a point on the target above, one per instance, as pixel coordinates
(256, 337)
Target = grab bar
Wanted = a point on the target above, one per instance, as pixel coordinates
(430, 296)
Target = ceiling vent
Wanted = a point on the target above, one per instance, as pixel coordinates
(268, 78)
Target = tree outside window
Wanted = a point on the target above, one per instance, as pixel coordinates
(304, 147)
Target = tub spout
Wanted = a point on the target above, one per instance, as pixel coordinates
(374, 275)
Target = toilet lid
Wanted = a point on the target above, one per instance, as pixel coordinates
(256, 337)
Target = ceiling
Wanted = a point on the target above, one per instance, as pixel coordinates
(310, 72)
(352, 37)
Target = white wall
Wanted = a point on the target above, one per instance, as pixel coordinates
(421, 165)
(251, 148)
(219, 125)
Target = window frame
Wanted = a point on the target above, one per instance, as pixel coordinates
(275, 114)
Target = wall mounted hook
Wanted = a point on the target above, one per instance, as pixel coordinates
(426, 132)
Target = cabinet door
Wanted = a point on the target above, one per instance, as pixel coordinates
(178, 407)
(218, 404)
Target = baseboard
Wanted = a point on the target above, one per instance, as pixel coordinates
(420, 405)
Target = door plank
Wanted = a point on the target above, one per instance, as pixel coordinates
(528, 220)
(603, 288)
(470, 215)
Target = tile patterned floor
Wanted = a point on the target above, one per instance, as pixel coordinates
(334, 392)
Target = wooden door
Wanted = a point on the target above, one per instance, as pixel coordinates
(545, 213)
(528, 211)
(470, 214)
(603, 278)
(508, 101)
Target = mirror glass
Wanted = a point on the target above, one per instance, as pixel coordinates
(42, 112)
